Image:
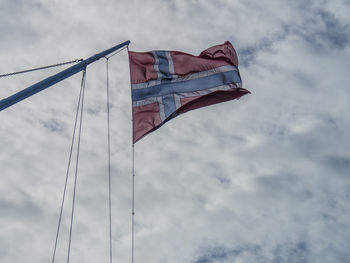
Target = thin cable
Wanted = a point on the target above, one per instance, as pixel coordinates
(109, 157)
(68, 168)
(109, 169)
(76, 166)
(115, 53)
(133, 205)
(133, 182)
(40, 68)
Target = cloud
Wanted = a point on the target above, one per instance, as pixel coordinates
(24, 207)
(260, 179)
(339, 164)
(291, 253)
(248, 54)
(53, 126)
(324, 30)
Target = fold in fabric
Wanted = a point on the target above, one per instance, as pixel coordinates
(165, 84)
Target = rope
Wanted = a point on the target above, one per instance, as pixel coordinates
(115, 53)
(109, 155)
(40, 68)
(80, 107)
(133, 205)
(76, 165)
(67, 173)
(109, 168)
(133, 183)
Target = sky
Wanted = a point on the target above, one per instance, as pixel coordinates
(265, 178)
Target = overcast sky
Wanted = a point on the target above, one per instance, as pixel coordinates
(262, 179)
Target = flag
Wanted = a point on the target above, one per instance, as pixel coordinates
(165, 84)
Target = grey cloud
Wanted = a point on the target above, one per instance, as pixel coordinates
(221, 254)
(247, 55)
(283, 185)
(54, 125)
(336, 33)
(5, 249)
(25, 208)
(282, 253)
(248, 176)
(291, 253)
(18, 18)
(318, 27)
(339, 164)
(324, 30)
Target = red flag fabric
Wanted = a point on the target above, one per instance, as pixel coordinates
(165, 84)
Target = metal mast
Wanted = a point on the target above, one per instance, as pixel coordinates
(44, 84)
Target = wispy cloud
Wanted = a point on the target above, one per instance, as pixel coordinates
(261, 179)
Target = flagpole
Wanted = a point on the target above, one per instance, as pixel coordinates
(44, 84)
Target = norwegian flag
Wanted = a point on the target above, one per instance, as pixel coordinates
(165, 84)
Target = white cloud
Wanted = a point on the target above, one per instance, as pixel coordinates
(262, 178)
